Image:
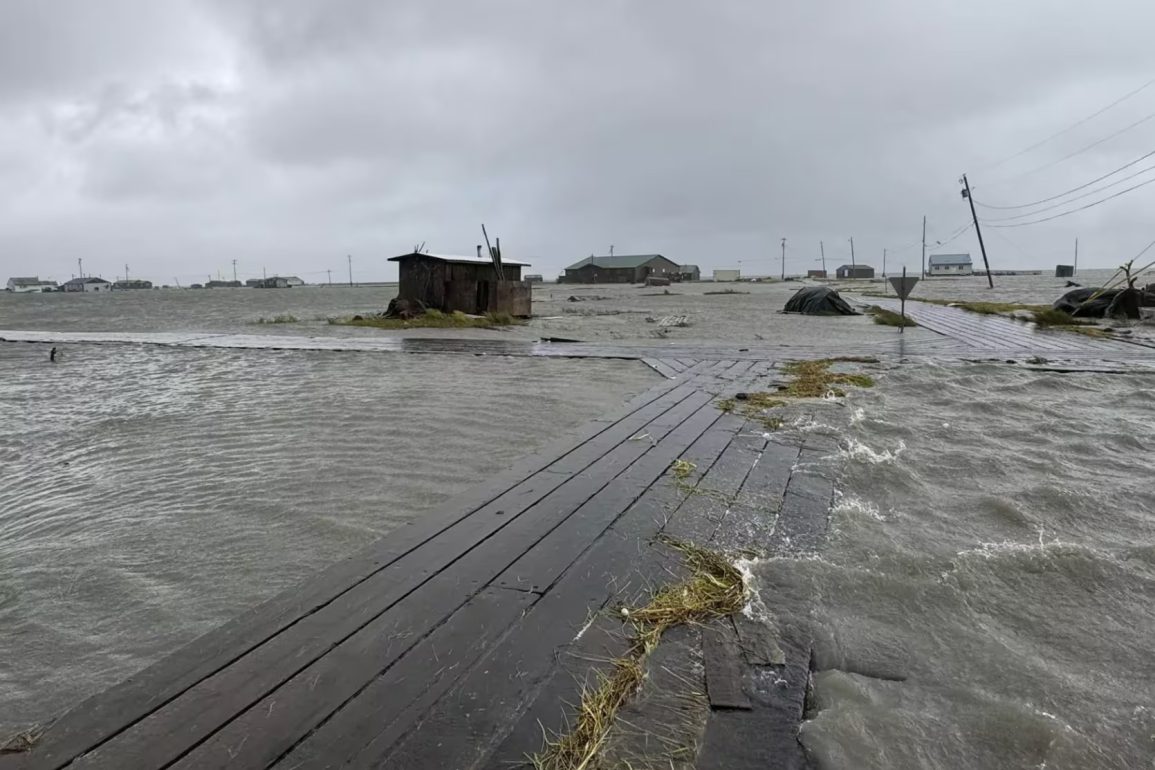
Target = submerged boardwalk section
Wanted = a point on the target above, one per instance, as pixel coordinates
(450, 643)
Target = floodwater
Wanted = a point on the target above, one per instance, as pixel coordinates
(150, 493)
(987, 599)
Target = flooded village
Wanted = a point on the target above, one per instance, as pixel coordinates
(791, 409)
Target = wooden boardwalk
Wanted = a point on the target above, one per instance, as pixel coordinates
(452, 642)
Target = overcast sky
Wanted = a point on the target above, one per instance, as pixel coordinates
(178, 136)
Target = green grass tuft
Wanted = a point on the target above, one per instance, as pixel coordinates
(889, 317)
(279, 319)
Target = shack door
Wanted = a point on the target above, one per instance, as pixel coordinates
(482, 303)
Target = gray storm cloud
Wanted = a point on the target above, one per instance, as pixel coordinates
(179, 136)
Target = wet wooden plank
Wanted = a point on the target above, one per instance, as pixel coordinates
(724, 669)
(661, 367)
(520, 681)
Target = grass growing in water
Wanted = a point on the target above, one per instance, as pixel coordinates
(714, 589)
(889, 317)
(431, 319)
(1044, 315)
(754, 407)
(279, 319)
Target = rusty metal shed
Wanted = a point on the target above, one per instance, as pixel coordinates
(468, 284)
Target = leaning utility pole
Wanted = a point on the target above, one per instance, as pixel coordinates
(822, 251)
(967, 194)
(852, 264)
(1075, 269)
(350, 258)
(924, 245)
(330, 272)
(783, 259)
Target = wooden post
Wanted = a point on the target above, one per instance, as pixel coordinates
(924, 245)
(902, 305)
(978, 230)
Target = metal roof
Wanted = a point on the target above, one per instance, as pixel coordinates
(84, 280)
(856, 267)
(949, 259)
(473, 260)
(628, 261)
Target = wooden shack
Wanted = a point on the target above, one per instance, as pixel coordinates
(466, 284)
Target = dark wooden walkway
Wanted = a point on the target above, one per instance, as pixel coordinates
(450, 643)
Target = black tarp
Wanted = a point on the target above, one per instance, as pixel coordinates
(818, 300)
(1112, 303)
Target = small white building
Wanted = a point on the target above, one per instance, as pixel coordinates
(29, 285)
(949, 264)
(89, 283)
(727, 275)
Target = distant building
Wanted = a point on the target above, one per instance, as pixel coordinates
(689, 273)
(254, 283)
(272, 282)
(223, 285)
(29, 285)
(627, 268)
(132, 284)
(533, 278)
(727, 275)
(89, 284)
(815, 273)
(1064, 271)
(466, 284)
(949, 264)
(855, 271)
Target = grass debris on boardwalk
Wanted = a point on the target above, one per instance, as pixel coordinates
(715, 588)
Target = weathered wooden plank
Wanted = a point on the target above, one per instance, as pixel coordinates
(661, 367)
(364, 622)
(106, 714)
(724, 669)
(514, 675)
(537, 569)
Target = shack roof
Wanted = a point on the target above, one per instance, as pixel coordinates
(949, 259)
(474, 260)
(86, 279)
(628, 261)
(856, 267)
(28, 281)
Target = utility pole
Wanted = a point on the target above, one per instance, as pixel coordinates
(330, 272)
(80, 266)
(852, 263)
(234, 271)
(884, 263)
(264, 273)
(822, 251)
(611, 250)
(783, 259)
(350, 258)
(126, 273)
(1075, 269)
(924, 245)
(978, 230)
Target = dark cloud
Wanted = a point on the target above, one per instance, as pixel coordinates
(182, 135)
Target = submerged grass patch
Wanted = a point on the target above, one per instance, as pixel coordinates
(279, 319)
(713, 589)
(1043, 315)
(813, 379)
(889, 317)
(430, 319)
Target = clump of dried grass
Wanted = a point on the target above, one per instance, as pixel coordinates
(813, 379)
(714, 588)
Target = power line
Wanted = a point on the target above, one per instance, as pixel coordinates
(1081, 208)
(1081, 150)
(1073, 126)
(1087, 194)
(1068, 192)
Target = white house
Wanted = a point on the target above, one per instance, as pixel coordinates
(29, 285)
(89, 283)
(949, 264)
(727, 275)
